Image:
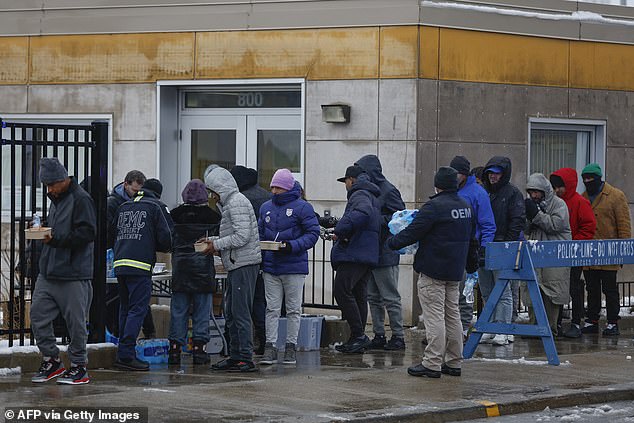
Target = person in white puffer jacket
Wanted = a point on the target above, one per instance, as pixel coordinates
(239, 247)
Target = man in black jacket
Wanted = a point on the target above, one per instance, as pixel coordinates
(142, 230)
(509, 212)
(444, 227)
(383, 292)
(64, 283)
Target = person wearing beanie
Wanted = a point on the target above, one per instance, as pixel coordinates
(509, 212)
(155, 186)
(288, 219)
(444, 228)
(193, 274)
(355, 253)
(470, 190)
(64, 282)
(583, 225)
(383, 294)
(610, 206)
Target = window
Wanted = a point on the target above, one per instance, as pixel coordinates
(557, 143)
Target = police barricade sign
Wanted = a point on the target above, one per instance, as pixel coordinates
(518, 261)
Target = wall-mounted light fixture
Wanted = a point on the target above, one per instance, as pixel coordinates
(335, 113)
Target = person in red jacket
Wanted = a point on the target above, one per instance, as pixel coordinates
(583, 225)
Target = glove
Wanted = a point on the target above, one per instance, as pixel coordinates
(328, 221)
(286, 247)
(531, 208)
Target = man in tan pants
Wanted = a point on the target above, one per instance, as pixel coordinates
(444, 228)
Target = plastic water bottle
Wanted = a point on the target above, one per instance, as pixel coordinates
(472, 280)
(36, 223)
(110, 263)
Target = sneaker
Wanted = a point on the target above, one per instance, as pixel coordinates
(270, 355)
(223, 365)
(49, 369)
(199, 354)
(611, 330)
(289, 354)
(377, 343)
(242, 367)
(174, 354)
(451, 371)
(590, 327)
(356, 346)
(420, 370)
(487, 338)
(573, 332)
(133, 364)
(76, 375)
(500, 339)
(395, 344)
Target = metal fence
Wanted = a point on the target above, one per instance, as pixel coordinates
(83, 150)
(319, 287)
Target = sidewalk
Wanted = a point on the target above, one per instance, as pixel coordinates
(330, 386)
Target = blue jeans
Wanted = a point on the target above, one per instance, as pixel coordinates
(504, 310)
(135, 293)
(238, 306)
(179, 315)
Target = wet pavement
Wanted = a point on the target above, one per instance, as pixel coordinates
(330, 386)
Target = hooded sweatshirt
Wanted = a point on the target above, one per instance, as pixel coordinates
(507, 202)
(239, 241)
(390, 201)
(583, 224)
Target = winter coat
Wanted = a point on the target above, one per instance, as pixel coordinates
(551, 223)
(114, 200)
(507, 202)
(192, 272)
(286, 217)
(142, 230)
(239, 242)
(247, 181)
(444, 227)
(481, 205)
(613, 217)
(390, 201)
(583, 224)
(69, 255)
(359, 228)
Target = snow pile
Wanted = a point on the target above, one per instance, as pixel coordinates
(520, 360)
(6, 371)
(579, 16)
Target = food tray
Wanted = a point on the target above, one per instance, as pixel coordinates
(270, 245)
(37, 233)
(199, 247)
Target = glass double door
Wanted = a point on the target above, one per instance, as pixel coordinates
(262, 142)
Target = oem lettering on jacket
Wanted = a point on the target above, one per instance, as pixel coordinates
(461, 213)
(130, 224)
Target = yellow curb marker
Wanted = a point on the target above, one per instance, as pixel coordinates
(492, 408)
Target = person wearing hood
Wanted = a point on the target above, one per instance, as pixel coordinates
(193, 274)
(444, 228)
(548, 220)
(470, 190)
(354, 254)
(122, 192)
(612, 211)
(247, 180)
(507, 203)
(142, 230)
(239, 248)
(383, 292)
(287, 218)
(583, 225)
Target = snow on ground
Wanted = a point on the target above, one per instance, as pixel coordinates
(7, 371)
(5, 349)
(520, 360)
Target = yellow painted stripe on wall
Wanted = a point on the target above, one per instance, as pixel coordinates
(429, 52)
(399, 52)
(601, 65)
(314, 54)
(14, 66)
(502, 58)
(112, 58)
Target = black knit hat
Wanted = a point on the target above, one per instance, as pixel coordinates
(154, 185)
(556, 181)
(461, 164)
(446, 178)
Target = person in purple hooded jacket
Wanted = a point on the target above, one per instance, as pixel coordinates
(288, 219)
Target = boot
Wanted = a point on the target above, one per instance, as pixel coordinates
(174, 355)
(199, 353)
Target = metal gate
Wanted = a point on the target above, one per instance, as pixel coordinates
(83, 150)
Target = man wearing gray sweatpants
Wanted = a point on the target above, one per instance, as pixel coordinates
(64, 285)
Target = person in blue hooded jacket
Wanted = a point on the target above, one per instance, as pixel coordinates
(383, 292)
(287, 218)
(355, 253)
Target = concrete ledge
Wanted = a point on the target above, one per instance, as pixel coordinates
(99, 356)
